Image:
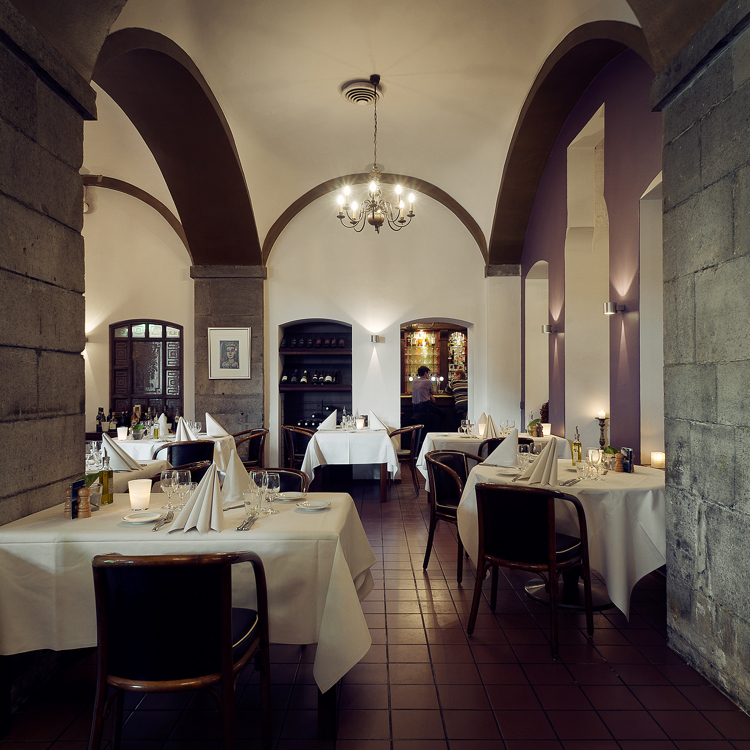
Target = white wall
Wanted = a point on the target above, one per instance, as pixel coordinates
(652, 330)
(432, 270)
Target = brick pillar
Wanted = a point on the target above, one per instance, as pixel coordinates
(704, 95)
(43, 102)
(229, 297)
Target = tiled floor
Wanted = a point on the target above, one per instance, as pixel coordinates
(425, 685)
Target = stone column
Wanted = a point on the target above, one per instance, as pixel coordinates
(43, 102)
(705, 97)
(229, 297)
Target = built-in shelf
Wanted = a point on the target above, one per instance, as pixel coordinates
(321, 388)
(316, 352)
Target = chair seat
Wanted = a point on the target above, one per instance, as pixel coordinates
(244, 629)
(403, 453)
(567, 547)
(446, 510)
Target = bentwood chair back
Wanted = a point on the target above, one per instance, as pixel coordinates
(487, 446)
(409, 455)
(291, 480)
(207, 641)
(251, 447)
(447, 471)
(296, 440)
(197, 470)
(187, 452)
(517, 530)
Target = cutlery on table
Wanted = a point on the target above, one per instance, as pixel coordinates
(570, 482)
(234, 507)
(247, 523)
(164, 521)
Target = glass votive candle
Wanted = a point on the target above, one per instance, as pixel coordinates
(122, 433)
(140, 493)
(361, 423)
(546, 428)
(658, 459)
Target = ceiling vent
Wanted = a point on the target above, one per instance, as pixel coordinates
(361, 92)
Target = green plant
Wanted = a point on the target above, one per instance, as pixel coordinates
(610, 449)
(89, 479)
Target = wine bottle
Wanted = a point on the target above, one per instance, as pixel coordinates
(99, 419)
(577, 449)
(106, 477)
(328, 378)
(309, 343)
(335, 378)
(294, 377)
(284, 378)
(315, 378)
(303, 379)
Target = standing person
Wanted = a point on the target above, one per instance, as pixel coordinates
(459, 387)
(424, 408)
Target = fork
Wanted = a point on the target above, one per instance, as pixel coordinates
(164, 521)
(249, 521)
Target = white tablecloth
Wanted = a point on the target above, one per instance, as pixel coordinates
(358, 447)
(625, 515)
(317, 569)
(455, 441)
(143, 449)
(150, 469)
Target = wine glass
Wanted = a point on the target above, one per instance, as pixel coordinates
(182, 483)
(198, 427)
(271, 486)
(593, 457)
(256, 484)
(523, 455)
(167, 487)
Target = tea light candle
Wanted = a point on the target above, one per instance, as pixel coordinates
(122, 433)
(546, 428)
(601, 415)
(481, 427)
(140, 493)
(658, 459)
(361, 423)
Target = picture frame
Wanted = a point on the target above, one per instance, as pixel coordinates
(229, 354)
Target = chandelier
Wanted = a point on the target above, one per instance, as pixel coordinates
(375, 210)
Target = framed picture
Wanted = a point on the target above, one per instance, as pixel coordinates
(229, 353)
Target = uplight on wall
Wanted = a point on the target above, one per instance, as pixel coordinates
(658, 459)
(610, 308)
(377, 339)
(548, 329)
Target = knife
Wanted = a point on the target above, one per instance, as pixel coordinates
(164, 521)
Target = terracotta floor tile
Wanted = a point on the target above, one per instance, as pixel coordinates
(612, 697)
(417, 725)
(414, 697)
(452, 653)
(548, 674)
(402, 621)
(532, 745)
(734, 725)
(524, 725)
(591, 745)
(437, 636)
(661, 698)
(513, 697)
(495, 653)
(364, 725)
(417, 745)
(707, 698)
(562, 698)
(709, 745)
(470, 725)
(408, 653)
(367, 674)
(632, 725)
(411, 674)
(456, 674)
(502, 674)
(640, 674)
(578, 725)
(681, 674)
(363, 697)
(463, 698)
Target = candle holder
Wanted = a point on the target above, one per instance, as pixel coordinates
(602, 431)
(140, 493)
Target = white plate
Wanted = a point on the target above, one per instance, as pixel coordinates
(142, 516)
(287, 497)
(314, 505)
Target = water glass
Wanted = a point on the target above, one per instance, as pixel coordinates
(182, 484)
(593, 458)
(256, 485)
(167, 487)
(198, 427)
(271, 486)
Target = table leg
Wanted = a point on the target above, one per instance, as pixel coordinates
(327, 715)
(383, 483)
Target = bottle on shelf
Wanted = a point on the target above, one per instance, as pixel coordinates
(328, 380)
(303, 379)
(315, 378)
(294, 377)
(106, 476)
(309, 342)
(99, 419)
(284, 378)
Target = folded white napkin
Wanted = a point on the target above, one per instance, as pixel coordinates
(163, 428)
(119, 460)
(183, 432)
(204, 509)
(236, 480)
(375, 422)
(482, 421)
(544, 469)
(213, 428)
(505, 453)
(329, 423)
(490, 430)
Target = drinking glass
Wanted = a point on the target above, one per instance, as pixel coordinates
(271, 486)
(593, 457)
(523, 455)
(250, 501)
(168, 488)
(182, 483)
(198, 427)
(256, 484)
(464, 428)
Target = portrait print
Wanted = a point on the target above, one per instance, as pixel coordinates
(229, 355)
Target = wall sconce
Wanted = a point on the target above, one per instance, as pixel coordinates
(610, 308)
(602, 417)
(377, 339)
(658, 459)
(548, 329)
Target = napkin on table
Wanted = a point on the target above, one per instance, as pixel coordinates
(119, 460)
(213, 428)
(544, 469)
(375, 422)
(490, 430)
(329, 423)
(204, 509)
(482, 421)
(505, 453)
(236, 480)
(163, 427)
(183, 432)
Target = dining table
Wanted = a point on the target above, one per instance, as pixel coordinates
(625, 519)
(317, 565)
(457, 441)
(354, 447)
(144, 448)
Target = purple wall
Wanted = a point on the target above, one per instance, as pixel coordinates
(632, 159)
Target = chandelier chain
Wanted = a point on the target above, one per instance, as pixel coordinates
(375, 138)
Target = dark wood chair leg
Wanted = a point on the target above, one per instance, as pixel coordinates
(228, 714)
(262, 663)
(476, 599)
(553, 614)
(118, 702)
(493, 592)
(100, 703)
(460, 564)
(414, 477)
(430, 536)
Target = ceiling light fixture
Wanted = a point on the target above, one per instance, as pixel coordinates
(374, 209)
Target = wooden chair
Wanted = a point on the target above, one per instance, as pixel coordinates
(206, 642)
(409, 455)
(187, 452)
(254, 444)
(296, 440)
(487, 446)
(517, 530)
(447, 471)
(197, 470)
(290, 480)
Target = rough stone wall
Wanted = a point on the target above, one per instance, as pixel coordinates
(705, 99)
(229, 297)
(43, 102)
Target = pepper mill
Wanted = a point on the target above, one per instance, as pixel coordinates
(619, 462)
(84, 504)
